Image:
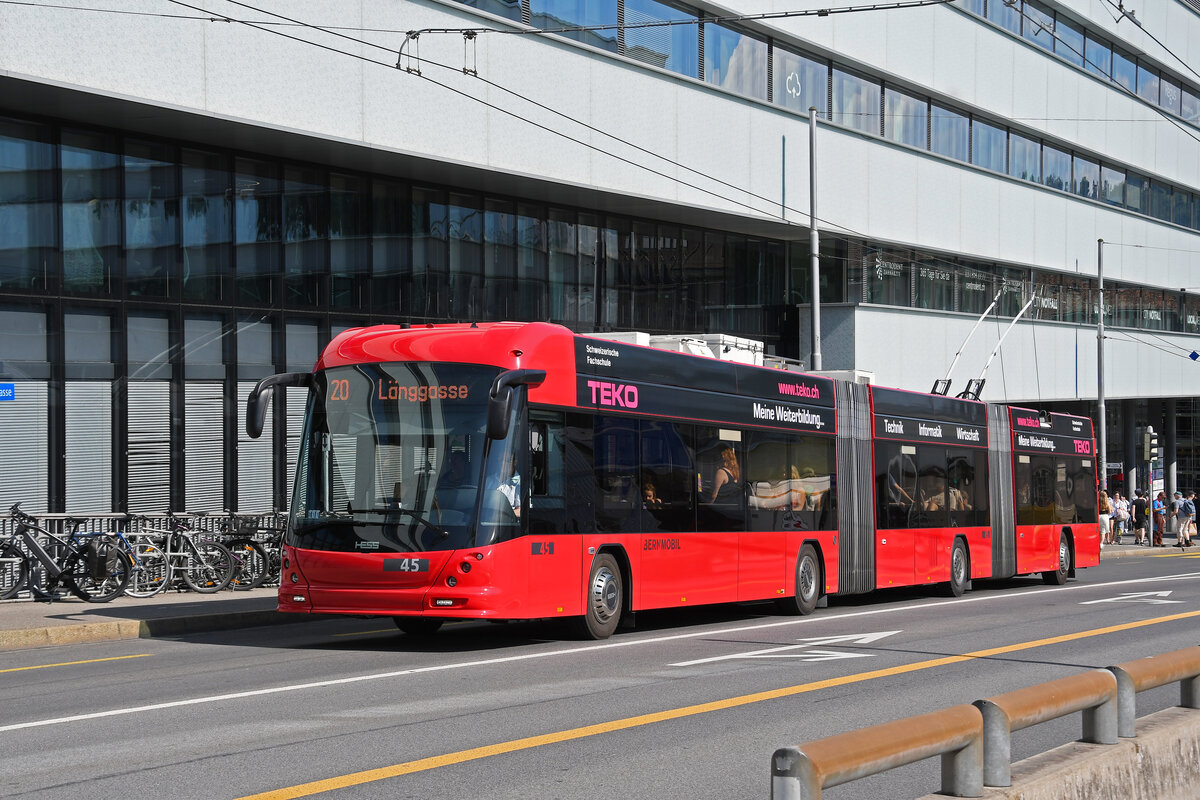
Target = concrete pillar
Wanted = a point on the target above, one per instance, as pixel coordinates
(1129, 453)
(1169, 449)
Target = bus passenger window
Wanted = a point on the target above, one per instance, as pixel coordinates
(960, 492)
(722, 492)
(667, 476)
(618, 496)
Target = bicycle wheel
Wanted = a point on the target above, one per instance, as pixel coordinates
(98, 571)
(39, 583)
(208, 567)
(151, 571)
(14, 571)
(253, 566)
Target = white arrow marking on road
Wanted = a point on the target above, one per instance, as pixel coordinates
(818, 655)
(1135, 597)
(813, 655)
(850, 638)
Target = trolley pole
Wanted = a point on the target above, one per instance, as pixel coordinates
(814, 249)
(1102, 422)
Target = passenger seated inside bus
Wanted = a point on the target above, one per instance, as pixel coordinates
(650, 498)
(455, 475)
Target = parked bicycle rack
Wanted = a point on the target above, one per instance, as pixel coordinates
(263, 527)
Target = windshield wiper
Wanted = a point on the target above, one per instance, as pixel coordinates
(442, 533)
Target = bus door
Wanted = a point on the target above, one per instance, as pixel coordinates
(897, 513)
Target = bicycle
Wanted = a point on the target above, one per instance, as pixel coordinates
(151, 568)
(206, 566)
(257, 558)
(96, 570)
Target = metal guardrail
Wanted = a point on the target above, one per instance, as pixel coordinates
(974, 740)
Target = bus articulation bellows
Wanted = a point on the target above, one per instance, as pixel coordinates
(508, 471)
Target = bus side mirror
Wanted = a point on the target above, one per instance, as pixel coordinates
(498, 413)
(500, 398)
(260, 398)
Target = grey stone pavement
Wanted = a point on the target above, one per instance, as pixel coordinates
(25, 623)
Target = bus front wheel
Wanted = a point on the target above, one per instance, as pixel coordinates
(808, 584)
(604, 601)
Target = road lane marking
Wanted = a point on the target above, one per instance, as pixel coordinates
(1135, 597)
(530, 742)
(586, 650)
(73, 663)
(817, 655)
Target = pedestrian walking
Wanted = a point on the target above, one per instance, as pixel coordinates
(1105, 519)
(1160, 519)
(1120, 517)
(1179, 517)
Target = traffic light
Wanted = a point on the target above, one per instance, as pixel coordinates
(1150, 449)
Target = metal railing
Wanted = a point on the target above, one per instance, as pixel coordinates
(974, 740)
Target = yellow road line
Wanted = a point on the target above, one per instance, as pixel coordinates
(73, 663)
(462, 756)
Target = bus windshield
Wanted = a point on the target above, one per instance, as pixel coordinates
(392, 460)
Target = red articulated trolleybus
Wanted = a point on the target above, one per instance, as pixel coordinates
(510, 471)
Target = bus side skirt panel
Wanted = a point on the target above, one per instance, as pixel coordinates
(1000, 493)
(856, 510)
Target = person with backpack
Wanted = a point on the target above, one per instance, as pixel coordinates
(1120, 517)
(1189, 513)
(1140, 517)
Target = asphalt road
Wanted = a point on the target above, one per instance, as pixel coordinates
(688, 704)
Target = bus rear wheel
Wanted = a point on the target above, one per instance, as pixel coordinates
(418, 626)
(1057, 577)
(959, 567)
(604, 601)
(808, 584)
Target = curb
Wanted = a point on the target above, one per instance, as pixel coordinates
(87, 632)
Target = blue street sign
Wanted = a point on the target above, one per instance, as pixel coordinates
(8, 391)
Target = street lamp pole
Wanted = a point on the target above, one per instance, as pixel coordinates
(1102, 450)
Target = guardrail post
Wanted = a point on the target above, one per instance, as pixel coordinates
(997, 744)
(793, 776)
(1189, 692)
(1126, 704)
(962, 770)
(1100, 722)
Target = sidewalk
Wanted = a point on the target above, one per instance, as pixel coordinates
(26, 624)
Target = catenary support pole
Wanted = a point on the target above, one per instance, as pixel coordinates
(1102, 422)
(814, 246)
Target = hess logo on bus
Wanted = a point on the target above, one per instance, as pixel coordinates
(616, 395)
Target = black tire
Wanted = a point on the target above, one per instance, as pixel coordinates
(1057, 577)
(960, 570)
(209, 568)
(604, 601)
(98, 572)
(253, 564)
(808, 584)
(14, 571)
(419, 627)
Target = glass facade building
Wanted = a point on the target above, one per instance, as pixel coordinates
(149, 276)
